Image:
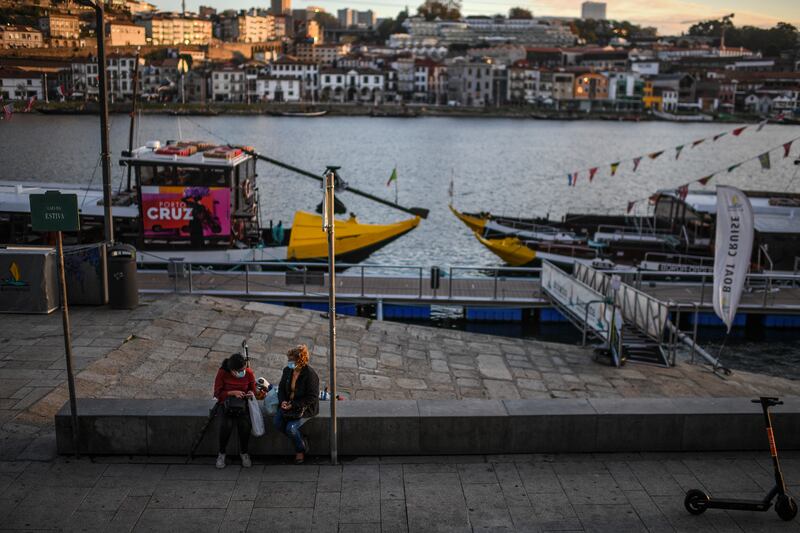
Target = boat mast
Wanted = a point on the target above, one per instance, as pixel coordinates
(133, 113)
(105, 155)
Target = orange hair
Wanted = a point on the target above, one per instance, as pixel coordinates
(300, 354)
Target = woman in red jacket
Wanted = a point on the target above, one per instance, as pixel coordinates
(234, 380)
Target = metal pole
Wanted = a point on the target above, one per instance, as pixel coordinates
(329, 187)
(450, 284)
(694, 330)
(105, 155)
(133, 113)
(73, 404)
(702, 288)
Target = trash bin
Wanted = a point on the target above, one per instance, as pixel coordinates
(123, 290)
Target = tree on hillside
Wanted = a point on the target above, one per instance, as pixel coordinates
(389, 26)
(433, 9)
(768, 41)
(601, 32)
(326, 20)
(519, 13)
(711, 28)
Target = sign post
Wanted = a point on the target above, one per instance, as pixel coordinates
(53, 211)
(328, 226)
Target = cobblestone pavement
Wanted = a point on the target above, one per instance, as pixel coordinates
(171, 347)
(592, 493)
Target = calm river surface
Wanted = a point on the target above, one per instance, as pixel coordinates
(500, 165)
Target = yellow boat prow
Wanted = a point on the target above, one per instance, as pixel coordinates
(509, 249)
(474, 223)
(308, 241)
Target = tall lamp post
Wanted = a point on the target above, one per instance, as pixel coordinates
(105, 155)
(328, 226)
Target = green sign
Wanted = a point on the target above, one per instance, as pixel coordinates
(53, 211)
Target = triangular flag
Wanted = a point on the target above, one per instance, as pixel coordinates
(393, 177)
(762, 124)
(636, 161)
(786, 148)
(764, 160)
(592, 172)
(569, 180)
(614, 167)
(698, 141)
(654, 155)
(678, 151)
(630, 205)
(718, 135)
(734, 167)
(738, 131)
(704, 181)
(574, 178)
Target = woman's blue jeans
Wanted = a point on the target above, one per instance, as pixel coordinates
(291, 428)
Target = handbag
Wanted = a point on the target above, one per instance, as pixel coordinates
(235, 406)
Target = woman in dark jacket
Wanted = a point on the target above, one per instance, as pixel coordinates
(298, 397)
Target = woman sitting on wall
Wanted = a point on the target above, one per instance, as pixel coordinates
(298, 397)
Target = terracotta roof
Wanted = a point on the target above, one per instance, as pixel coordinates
(16, 74)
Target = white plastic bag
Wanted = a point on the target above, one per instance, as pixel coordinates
(270, 403)
(256, 418)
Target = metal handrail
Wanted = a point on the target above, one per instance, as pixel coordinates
(586, 318)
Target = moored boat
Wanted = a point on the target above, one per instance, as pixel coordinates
(198, 202)
(306, 114)
(677, 237)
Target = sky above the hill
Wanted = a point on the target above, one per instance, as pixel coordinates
(669, 16)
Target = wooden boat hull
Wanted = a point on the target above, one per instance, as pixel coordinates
(308, 241)
(475, 222)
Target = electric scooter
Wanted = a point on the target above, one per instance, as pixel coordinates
(697, 501)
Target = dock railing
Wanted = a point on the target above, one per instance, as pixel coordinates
(355, 282)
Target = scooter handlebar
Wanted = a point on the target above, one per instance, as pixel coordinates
(768, 400)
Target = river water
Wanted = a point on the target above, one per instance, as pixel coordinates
(506, 166)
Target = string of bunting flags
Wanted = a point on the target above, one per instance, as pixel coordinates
(572, 178)
(763, 159)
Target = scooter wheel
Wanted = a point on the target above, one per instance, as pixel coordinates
(695, 501)
(786, 507)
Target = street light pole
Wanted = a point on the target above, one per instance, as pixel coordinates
(105, 155)
(328, 225)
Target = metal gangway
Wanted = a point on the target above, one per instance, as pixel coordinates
(633, 325)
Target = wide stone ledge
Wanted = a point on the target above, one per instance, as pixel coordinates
(426, 427)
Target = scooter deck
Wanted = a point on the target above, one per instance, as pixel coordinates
(738, 505)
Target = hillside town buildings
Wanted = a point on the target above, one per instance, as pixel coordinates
(285, 55)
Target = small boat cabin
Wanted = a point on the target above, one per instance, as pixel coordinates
(194, 195)
(776, 219)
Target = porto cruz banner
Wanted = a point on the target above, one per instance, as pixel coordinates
(186, 212)
(733, 249)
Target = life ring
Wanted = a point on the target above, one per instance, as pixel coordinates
(247, 188)
(238, 230)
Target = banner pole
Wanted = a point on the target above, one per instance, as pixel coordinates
(73, 404)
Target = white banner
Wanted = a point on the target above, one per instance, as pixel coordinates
(733, 249)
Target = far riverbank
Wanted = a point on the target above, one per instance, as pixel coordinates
(384, 110)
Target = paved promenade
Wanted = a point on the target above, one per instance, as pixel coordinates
(171, 347)
(591, 493)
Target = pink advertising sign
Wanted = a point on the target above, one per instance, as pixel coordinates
(181, 212)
